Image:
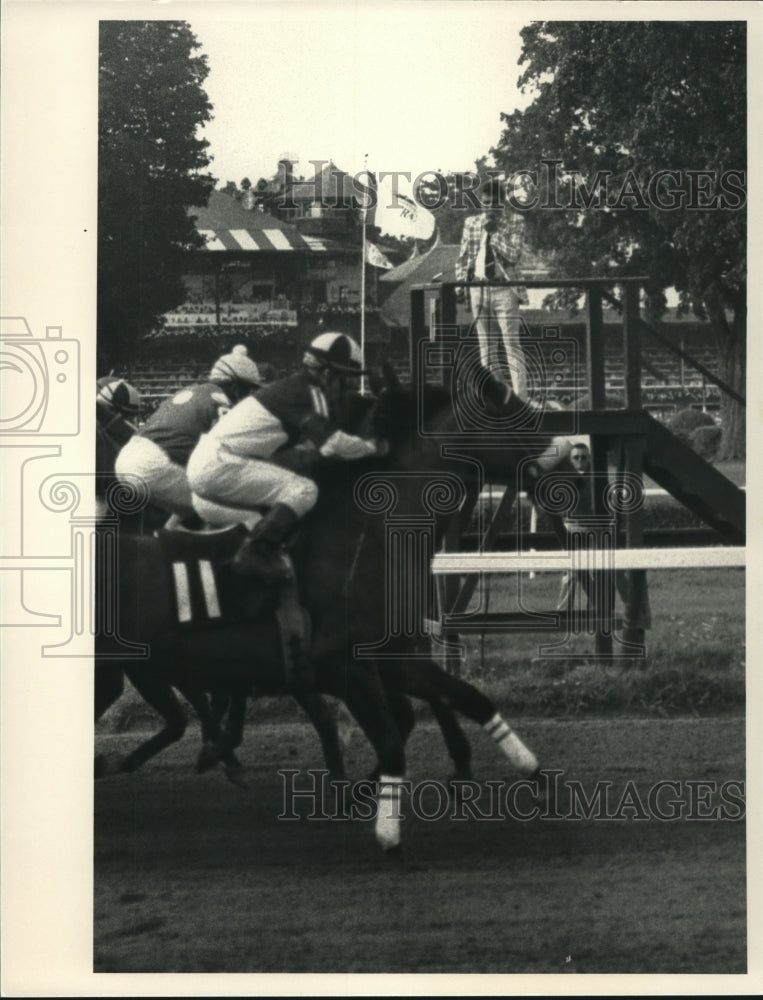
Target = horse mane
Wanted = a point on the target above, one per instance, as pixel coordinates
(402, 410)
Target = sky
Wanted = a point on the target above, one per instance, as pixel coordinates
(414, 87)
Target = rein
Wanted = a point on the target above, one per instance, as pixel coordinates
(355, 561)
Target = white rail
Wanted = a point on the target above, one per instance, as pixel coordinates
(710, 557)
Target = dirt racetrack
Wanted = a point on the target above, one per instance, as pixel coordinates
(195, 875)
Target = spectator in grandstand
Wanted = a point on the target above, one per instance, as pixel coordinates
(491, 249)
(160, 451)
(232, 473)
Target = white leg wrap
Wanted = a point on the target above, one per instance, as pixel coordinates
(388, 815)
(522, 759)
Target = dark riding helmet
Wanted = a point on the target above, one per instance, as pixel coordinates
(335, 351)
(118, 396)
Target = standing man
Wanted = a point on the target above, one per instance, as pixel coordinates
(491, 250)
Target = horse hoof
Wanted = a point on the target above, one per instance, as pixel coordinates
(209, 757)
(539, 797)
(235, 774)
(394, 854)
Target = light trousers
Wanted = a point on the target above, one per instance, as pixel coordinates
(166, 480)
(227, 485)
(497, 321)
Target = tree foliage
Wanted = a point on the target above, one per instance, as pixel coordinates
(624, 101)
(150, 171)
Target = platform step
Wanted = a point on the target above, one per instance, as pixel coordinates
(695, 483)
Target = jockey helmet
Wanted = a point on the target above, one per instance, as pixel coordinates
(117, 395)
(335, 351)
(236, 367)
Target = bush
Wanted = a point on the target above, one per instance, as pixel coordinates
(706, 441)
(687, 421)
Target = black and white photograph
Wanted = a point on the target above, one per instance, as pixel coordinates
(379, 590)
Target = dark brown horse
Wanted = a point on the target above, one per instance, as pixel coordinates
(112, 433)
(358, 653)
(229, 701)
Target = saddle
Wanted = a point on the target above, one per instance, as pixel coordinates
(206, 593)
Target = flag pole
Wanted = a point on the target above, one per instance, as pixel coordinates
(364, 218)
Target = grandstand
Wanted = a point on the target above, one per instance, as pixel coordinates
(668, 383)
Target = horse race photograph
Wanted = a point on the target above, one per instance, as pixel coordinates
(377, 499)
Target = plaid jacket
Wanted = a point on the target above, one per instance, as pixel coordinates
(507, 243)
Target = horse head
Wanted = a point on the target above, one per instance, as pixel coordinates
(482, 421)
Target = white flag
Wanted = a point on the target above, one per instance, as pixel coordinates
(398, 214)
(376, 258)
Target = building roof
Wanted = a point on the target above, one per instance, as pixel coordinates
(439, 262)
(227, 225)
(331, 185)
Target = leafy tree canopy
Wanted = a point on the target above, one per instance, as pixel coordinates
(643, 129)
(151, 165)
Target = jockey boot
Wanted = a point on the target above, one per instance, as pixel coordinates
(260, 554)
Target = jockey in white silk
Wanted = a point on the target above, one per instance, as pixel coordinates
(232, 472)
(160, 451)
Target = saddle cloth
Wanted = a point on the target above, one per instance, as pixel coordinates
(204, 590)
(207, 593)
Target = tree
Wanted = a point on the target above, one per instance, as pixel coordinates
(150, 172)
(453, 197)
(642, 127)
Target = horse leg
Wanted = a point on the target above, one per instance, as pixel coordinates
(322, 718)
(457, 744)
(360, 687)
(429, 681)
(109, 685)
(160, 696)
(405, 720)
(455, 738)
(220, 702)
(233, 737)
(216, 744)
(233, 732)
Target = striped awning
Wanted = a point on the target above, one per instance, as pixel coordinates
(262, 239)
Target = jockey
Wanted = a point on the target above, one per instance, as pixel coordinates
(160, 451)
(117, 403)
(232, 470)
